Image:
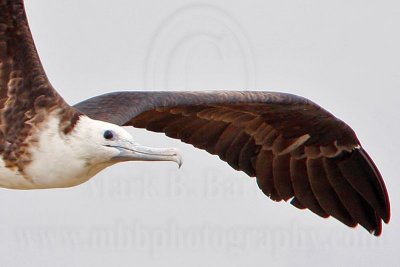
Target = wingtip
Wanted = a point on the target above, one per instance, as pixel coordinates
(362, 173)
(385, 214)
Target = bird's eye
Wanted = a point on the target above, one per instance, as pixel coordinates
(108, 135)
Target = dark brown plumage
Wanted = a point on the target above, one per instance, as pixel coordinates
(26, 96)
(296, 150)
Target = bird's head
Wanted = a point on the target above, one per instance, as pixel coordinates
(100, 142)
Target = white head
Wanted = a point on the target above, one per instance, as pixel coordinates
(63, 160)
(99, 142)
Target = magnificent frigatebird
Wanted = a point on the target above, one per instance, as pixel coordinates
(296, 150)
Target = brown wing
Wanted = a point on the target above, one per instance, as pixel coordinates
(297, 150)
(26, 95)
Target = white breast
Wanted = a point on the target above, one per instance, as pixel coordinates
(54, 163)
(12, 178)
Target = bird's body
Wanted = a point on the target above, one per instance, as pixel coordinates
(296, 150)
(46, 152)
(55, 153)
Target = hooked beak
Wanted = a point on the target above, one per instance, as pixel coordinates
(134, 152)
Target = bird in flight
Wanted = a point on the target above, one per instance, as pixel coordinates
(296, 150)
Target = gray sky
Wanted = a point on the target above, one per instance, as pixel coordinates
(344, 55)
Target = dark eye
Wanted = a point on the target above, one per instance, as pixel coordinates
(108, 135)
